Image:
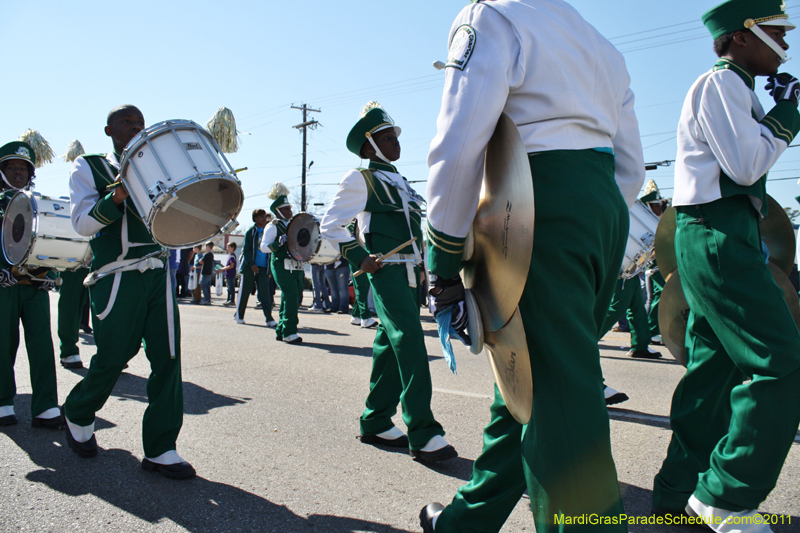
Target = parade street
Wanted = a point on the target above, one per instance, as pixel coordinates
(272, 432)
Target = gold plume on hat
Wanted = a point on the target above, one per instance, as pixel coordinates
(44, 154)
(372, 104)
(651, 187)
(74, 150)
(279, 189)
(222, 127)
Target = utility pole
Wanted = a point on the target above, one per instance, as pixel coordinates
(304, 126)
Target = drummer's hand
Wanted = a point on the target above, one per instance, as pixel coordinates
(370, 265)
(282, 240)
(120, 193)
(254, 268)
(445, 293)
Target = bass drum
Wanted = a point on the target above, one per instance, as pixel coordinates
(305, 244)
(18, 229)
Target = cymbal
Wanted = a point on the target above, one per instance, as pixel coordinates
(474, 323)
(665, 243)
(502, 229)
(778, 234)
(511, 365)
(673, 314)
(673, 310)
(789, 294)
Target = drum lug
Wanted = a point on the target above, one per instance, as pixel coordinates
(648, 238)
(230, 226)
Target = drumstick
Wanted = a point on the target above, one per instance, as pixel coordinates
(239, 170)
(380, 259)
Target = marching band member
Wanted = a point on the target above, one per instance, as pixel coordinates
(72, 296)
(387, 210)
(22, 300)
(132, 304)
(567, 89)
(735, 413)
(287, 272)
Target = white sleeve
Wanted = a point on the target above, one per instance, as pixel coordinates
(269, 236)
(629, 159)
(472, 102)
(350, 200)
(744, 149)
(83, 196)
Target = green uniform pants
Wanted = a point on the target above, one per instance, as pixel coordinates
(260, 280)
(730, 436)
(139, 316)
(564, 453)
(361, 289)
(628, 300)
(652, 314)
(290, 282)
(400, 371)
(31, 306)
(72, 296)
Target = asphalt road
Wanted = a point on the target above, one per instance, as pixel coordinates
(271, 430)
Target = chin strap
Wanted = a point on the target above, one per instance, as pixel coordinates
(378, 151)
(5, 180)
(769, 41)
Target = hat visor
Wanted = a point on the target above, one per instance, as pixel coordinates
(397, 129)
(779, 22)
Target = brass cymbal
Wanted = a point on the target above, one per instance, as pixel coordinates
(778, 234)
(503, 228)
(673, 314)
(665, 243)
(511, 365)
(673, 310)
(789, 294)
(474, 323)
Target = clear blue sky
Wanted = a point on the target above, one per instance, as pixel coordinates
(69, 63)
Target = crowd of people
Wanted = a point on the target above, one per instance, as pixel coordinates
(734, 414)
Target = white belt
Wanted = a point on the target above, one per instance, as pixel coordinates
(291, 265)
(143, 264)
(409, 259)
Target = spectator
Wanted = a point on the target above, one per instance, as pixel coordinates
(230, 274)
(207, 272)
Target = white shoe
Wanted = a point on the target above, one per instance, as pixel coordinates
(239, 320)
(369, 323)
(355, 321)
(657, 340)
(271, 323)
(294, 338)
(724, 521)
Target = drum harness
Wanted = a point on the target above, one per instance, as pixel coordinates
(150, 261)
(414, 258)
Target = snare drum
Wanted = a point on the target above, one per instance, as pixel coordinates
(56, 244)
(17, 231)
(640, 249)
(181, 183)
(304, 242)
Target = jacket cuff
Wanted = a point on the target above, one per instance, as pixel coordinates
(353, 252)
(783, 121)
(444, 253)
(105, 211)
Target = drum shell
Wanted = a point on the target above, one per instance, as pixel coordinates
(640, 246)
(181, 183)
(56, 244)
(326, 253)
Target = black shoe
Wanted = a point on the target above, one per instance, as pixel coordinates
(73, 365)
(9, 420)
(84, 449)
(49, 423)
(399, 442)
(617, 398)
(296, 340)
(442, 454)
(182, 470)
(278, 337)
(427, 514)
(87, 330)
(644, 354)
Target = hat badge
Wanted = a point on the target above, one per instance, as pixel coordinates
(23, 152)
(783, 6)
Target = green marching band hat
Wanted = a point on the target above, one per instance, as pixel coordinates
(18, 150)
(280, 193)
(735, 15)
(372, 119)
(651, 193)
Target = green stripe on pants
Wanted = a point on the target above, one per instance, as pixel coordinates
(730, 437)
(565, 450)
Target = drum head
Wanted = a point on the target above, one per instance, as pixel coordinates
(199, 210)
(18, 232)
(302, 237)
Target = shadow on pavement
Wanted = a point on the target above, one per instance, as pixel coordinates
(199, 505)
(339, 349)
(459, 468)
